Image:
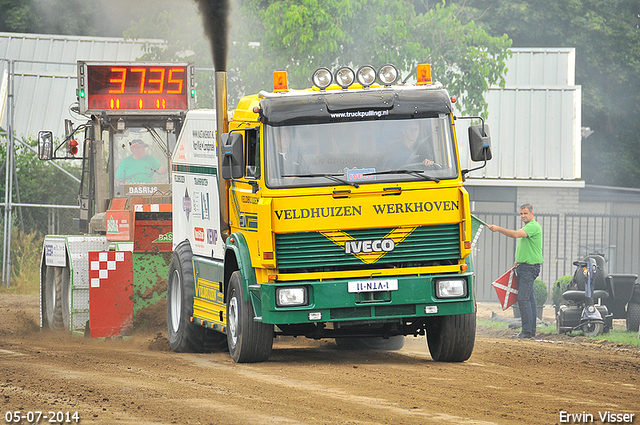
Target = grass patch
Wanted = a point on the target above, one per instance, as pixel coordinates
(619, 336)
(614, 336)
(26, 250)
(500, 326)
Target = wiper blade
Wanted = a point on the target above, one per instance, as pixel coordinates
(418, 173)
(333, 177)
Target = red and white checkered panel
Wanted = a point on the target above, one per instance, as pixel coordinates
(110, 293)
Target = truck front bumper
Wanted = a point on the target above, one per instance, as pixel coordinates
(332, 301)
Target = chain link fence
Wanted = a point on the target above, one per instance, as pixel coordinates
(566, 238)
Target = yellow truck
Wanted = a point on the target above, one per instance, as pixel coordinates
(333, 212)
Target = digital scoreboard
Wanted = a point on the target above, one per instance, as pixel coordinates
(135, 87)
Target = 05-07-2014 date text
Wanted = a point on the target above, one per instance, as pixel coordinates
(36, 417)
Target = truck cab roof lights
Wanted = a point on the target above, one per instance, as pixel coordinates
(366, 75)
(388, 74)
(423, 74)
(322, 78)
(345, 77)
(280, 82)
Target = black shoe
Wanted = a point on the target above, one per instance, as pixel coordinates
(523, 335)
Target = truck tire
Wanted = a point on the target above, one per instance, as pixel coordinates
(65, 297)
(249, 341)
(392, 343)
(184, 335)
(451, 338)
(52, 310)
(56, 300)
(633, 317)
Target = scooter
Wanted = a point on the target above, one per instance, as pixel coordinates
(579, 310)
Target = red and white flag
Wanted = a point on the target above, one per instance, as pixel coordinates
(506, 287)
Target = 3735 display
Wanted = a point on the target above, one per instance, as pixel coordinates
(135, 87)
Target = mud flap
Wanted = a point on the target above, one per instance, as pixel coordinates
(110, 293)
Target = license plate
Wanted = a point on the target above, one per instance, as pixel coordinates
(379, 285)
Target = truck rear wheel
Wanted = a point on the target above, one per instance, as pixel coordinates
(56, 298)
(633, 317)
(184, 335)
(451, 338)
(249, 341)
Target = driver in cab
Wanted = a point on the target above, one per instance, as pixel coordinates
(139, 167)
(411, 150)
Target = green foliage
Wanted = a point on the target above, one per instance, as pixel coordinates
(558, 289)
(300, 36)
(106, 18)
(38, 183)
(26, 250)
(541, 292)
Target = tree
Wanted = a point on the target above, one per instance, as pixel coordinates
(606, 36)
(43, 186)
(307, 34)
(300, 36)
(107, 18)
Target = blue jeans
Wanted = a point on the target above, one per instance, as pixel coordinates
(527, 274)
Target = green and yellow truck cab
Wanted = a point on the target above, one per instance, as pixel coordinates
(333, 212)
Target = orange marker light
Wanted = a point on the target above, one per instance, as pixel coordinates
(424, 74)
(280, 82)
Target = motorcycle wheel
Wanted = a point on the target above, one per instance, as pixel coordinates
(592, 329)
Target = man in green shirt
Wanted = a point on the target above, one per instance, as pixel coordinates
(139, 167)
(528, 262)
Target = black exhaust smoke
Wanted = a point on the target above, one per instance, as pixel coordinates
(215, 17)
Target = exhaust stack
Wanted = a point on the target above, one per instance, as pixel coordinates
(222, 126)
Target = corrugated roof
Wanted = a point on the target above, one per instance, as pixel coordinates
(45, 75)
(535, 120)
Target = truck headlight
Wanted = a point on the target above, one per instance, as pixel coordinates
(291, 296)
(451, 288)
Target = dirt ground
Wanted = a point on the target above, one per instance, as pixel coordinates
(138, 380)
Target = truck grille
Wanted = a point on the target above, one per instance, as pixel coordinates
(313, 251)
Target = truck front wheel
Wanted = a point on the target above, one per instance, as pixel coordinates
(249, 341)
(184, 335)
(451, 338)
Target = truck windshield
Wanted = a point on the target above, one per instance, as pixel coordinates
(141, 156)
(360, 152)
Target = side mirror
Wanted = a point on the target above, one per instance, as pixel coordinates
(480, 142)
(232, 157)
(45, 145)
